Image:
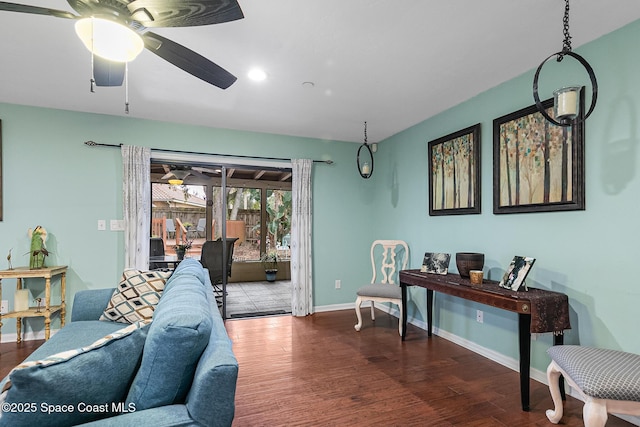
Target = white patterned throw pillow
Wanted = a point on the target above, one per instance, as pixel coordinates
(136, 296)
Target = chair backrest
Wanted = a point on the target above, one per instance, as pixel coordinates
(156, 246)
(202, 222)
(211, 258)
(395, 255)
(171, 226)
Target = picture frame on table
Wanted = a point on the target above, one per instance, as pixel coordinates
(435, 263)
(537, 166)
(517, 272)
(454, 173)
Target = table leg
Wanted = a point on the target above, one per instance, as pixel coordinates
(558, 339)
(429, 311)
(524, 337)
(47, 308)
(63, 298)
(404, 310)
(18, 330)
(18, 319)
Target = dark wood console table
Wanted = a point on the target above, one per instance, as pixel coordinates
(538, 310)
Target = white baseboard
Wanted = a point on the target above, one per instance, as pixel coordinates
(26, 336)
(335, 307)
(494, 356)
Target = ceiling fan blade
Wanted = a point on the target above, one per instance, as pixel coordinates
(23, 8)
(167, 176)
(107, 73)
(208, 170)
(186, 59)
(197, 174)
(184, 13)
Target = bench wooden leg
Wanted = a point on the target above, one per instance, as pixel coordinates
(594, 412)
(553, 378)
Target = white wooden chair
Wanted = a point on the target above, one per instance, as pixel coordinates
(607, 380)
(394, 253)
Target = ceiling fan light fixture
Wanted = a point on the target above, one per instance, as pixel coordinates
(109, 39)
(179, 176)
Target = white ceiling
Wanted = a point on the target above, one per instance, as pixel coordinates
(392, 63)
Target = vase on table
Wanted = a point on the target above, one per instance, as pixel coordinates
(180, 253)
(467, 261)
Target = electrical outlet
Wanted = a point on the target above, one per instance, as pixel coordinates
(479, 316)
(338, 284)
(4, 308)
(102, 224)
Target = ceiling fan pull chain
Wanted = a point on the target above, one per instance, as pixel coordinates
(126, 88)
(92, 79)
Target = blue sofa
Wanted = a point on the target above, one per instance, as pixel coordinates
(177, 370)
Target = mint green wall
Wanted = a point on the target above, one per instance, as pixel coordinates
(52, 179)
(590, 255)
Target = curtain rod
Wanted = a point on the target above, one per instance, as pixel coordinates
(97, 144)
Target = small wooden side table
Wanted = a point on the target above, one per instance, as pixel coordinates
(47, 309)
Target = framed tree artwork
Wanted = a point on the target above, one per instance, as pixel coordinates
(454, 173)
(537, 166)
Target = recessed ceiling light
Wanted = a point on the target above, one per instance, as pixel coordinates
(257, 75)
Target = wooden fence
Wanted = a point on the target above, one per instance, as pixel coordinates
(189, 218)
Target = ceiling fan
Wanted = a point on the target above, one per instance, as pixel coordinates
(179, 173)
(138, 15)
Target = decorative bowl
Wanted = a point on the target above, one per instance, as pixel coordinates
(467, 261)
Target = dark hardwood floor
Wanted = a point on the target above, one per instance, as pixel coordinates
(11, 354)
(318, 371)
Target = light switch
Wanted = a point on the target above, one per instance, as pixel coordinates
(116, 225)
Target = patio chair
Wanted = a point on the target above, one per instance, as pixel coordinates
(212, 259)
(394, 257)
(201, 228)
(156, 248)
(171, 228)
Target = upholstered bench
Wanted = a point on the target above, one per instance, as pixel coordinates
(608, 380)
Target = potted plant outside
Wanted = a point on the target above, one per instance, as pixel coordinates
(270, 264)
(182, 249)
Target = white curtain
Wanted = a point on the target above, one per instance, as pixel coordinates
(136, 186)
(302, 298)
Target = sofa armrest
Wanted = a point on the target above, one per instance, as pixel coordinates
(90, 304)
(171, 415)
